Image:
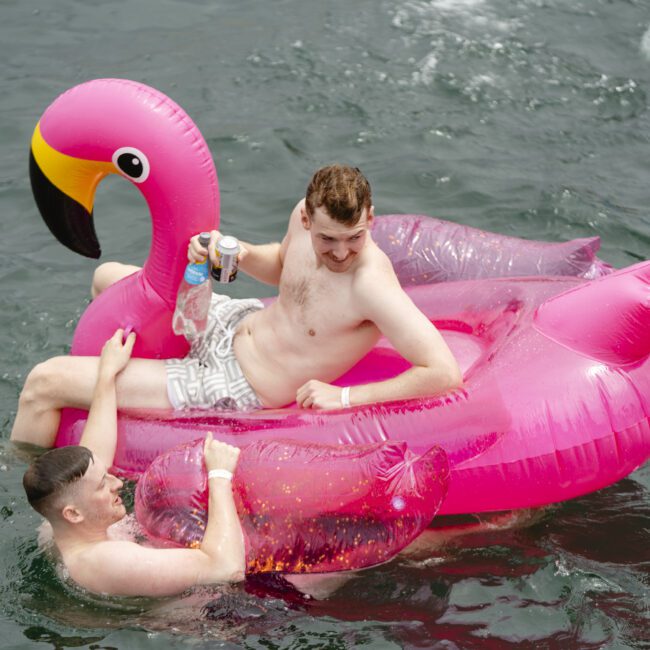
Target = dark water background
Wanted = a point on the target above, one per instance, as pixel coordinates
(528, 117)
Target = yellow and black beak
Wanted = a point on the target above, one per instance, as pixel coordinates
(64, 189)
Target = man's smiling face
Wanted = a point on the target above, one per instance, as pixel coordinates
(98, 496)
(336, 245)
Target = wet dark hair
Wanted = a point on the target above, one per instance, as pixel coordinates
(343, 191)
(52, 473)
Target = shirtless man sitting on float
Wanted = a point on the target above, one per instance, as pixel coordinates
(338, 294)
(72, 489)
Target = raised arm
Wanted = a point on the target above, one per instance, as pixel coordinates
(223, 541)
(100, 433)
(261, 261)
(128, 569)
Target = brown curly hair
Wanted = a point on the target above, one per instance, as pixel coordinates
(342, 191)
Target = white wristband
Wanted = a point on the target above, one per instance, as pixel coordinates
(220, 473)
(345, 397)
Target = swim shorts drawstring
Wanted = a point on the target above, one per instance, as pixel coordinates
(222, 349)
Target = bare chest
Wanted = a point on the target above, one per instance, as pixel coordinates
(318, 301)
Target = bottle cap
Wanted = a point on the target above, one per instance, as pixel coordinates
(204, 239)
(228, 242)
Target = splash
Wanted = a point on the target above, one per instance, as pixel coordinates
(645, 44)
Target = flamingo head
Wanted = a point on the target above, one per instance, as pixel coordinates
(116, 126)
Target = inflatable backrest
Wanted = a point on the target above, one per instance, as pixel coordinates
(424, 250)
(607, 319)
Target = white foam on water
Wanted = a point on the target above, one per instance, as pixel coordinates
(446, 26)
(425, 70)
(456, 6)
(645, 44)
(428, 16)
(477, 85)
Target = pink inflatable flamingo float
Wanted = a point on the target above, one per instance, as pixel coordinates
(542, 418)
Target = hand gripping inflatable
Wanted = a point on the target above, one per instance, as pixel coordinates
(537, 421)
(304, 508)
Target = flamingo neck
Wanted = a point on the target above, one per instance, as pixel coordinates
(172, 230)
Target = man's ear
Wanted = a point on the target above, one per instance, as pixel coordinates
(72, 515)
(371, 215)
(304, 218)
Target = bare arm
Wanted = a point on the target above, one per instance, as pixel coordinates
(128, 569)
(434, 370)
(412, 334)
(261, 261)
(100, 433)
(223, 540)
(122, 568)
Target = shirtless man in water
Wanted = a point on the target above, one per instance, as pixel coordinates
(338, 294)
(72, 488)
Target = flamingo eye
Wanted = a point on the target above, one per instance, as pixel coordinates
(132, 163)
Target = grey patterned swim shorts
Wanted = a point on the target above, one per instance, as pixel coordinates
(210, 376)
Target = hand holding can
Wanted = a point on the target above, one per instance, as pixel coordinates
(226, 255)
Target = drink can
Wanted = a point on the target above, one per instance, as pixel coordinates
(227, 250)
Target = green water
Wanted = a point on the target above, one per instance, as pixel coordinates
(527, 117)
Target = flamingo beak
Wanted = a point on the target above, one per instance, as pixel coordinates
(64, 189)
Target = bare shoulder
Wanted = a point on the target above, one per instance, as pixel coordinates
(98, 566)
(293, 229)
(375, 273)
(378, 293)
(295, 220)
(102, 556)
(126, 568)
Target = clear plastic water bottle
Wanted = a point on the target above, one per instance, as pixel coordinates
(193, 299)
